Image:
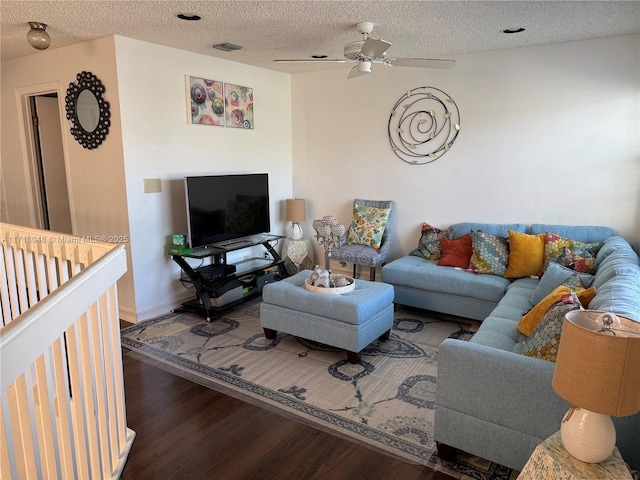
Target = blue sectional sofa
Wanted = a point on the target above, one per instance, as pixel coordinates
(493, 401)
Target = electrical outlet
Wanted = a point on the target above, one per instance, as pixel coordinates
(266, 255)
(152, 185)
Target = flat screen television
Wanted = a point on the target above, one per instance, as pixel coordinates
(221, 208)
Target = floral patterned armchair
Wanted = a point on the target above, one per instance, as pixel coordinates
(367, 241)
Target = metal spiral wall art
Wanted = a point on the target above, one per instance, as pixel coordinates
(423, 125)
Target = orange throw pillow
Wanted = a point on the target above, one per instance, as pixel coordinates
(456, 253)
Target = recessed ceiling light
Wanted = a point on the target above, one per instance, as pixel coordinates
(318, 56)
(189, 16)
(513, 30)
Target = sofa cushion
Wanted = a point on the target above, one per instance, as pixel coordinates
(499, 333)
(545, 339)
(456, 253)
(526, 255)
(621, 293)
(501, 230)
(420, 274)
(615, 249)
(429, 243)
(580, 233)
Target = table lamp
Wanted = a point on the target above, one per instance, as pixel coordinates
(296, 213)
(598, 373)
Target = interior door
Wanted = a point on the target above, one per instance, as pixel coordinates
(53, 166)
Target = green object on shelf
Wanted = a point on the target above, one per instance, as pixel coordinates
(245, 291)
(178, 249)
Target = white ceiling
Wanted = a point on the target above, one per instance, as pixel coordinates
(298, 29)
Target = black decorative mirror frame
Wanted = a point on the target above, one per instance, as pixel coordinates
(87, 81)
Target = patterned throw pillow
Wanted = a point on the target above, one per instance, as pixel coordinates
(429, 243)
(544, 342)
(368, 225)
(578, 260)
(490, 254)
(531, 319)
(554, 246)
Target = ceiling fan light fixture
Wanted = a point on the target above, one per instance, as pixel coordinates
(364, 66)
(38, 37)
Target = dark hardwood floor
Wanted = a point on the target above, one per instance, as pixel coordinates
(185, 431)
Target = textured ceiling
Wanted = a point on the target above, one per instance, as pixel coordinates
(298, 29)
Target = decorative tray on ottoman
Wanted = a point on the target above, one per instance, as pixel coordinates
(331, 290)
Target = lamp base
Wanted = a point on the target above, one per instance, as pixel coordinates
(296, 231)
(588, 436)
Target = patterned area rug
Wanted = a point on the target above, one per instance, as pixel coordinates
(386, 401)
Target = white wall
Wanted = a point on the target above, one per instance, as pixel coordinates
(95, 177)
(158, 143)
(549, 134)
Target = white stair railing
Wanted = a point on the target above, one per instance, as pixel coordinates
(62, 409)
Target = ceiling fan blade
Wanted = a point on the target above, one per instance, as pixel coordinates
(312, 60)
(420, 62)
(355, 73)
(374, 48)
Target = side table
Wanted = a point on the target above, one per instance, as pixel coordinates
(297, 254)
(551, 461)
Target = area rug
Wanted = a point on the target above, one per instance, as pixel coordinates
(386, 401)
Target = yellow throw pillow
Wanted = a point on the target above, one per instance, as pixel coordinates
(526, 255)
(529, 321)
(586, 295)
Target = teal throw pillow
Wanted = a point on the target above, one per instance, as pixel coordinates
(554, 276)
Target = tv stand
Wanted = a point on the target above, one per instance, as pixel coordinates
(220, 285)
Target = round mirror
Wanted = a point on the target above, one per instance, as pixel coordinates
(87, 111)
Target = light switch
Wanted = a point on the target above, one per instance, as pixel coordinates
(152, 185)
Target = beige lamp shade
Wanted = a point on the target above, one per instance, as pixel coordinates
(597, 370)
(296, 210)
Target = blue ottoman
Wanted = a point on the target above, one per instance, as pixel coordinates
(351, 320)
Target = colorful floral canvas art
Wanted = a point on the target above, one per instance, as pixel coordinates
(212, 102)
(207, 101)
(238, 106)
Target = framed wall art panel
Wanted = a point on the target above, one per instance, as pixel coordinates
(205, 101)
(238, 101)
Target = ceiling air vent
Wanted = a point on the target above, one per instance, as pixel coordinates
(227, 47)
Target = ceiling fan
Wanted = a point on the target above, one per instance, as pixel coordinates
(370, 50)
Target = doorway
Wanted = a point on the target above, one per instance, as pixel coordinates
(49, 169)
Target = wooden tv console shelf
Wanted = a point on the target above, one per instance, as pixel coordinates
(220, 285)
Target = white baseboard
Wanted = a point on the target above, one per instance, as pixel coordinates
(156, 311)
